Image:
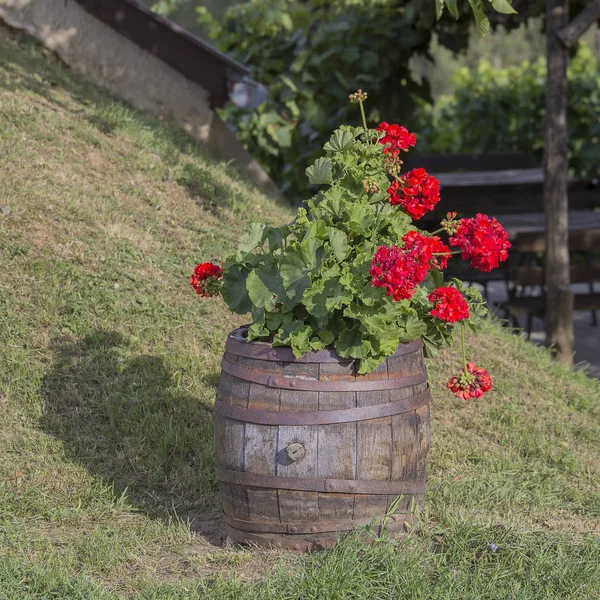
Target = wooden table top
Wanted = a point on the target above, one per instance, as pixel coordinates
(579, 220)
(488, 178)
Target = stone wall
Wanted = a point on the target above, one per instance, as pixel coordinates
(99, 54)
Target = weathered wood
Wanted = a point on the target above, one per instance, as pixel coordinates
(404, 447)
(337, 443)
(559, 300)
(363, 459)
(423, 441)
(444, 163)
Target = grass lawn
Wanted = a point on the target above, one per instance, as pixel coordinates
(108, 368)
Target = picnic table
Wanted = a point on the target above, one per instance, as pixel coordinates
(534, 222)
(510, 187)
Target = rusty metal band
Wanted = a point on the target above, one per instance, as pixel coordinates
(316, 385)
(342, 486)
(294, 528)
(321, 417)
(236, 344)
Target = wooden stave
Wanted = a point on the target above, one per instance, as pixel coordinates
(239, 502)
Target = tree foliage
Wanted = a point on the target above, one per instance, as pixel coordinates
(311, 54)
(502, 110)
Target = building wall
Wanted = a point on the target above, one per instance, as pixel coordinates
(96, 52)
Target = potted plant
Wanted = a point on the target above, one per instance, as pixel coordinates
(322, 413)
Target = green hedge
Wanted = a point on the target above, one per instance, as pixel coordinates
(501, 110)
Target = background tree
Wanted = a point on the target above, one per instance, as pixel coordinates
(560, 36)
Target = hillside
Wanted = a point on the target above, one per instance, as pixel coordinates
(109, 364)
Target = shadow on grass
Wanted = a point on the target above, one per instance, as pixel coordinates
(123, 419)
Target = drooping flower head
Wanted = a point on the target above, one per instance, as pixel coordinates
(396, 138)
(473, 382)
(449, 304)
(483, 242)
(206, 279)
(400, 269)
(416, 191)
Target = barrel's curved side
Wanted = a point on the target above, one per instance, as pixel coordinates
(380, 454)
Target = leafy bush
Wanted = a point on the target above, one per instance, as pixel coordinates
(310, 54)
(502, 110)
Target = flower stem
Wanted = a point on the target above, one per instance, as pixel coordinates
(362, 113)
(438, 230)
(464, 352)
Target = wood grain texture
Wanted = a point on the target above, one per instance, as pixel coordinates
(380, 449)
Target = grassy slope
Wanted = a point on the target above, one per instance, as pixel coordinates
(108, 371)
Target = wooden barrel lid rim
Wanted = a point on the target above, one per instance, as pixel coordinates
(238, 345)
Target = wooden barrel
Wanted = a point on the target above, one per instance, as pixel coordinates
(306, 448)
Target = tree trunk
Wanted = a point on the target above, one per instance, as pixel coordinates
(559, 297)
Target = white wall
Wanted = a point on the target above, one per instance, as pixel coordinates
(96, 52)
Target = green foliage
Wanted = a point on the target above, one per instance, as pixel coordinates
(310, 54)
(502, 110)
(307, 284)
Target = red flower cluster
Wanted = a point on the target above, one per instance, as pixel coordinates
(483, 242)
(449, 304)
(205, 279)
(400, 270)
(431, 247)
(473, 382)
(397, 137)
(417, 192)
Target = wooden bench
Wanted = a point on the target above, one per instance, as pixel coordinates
(531, 275)
(495, 184)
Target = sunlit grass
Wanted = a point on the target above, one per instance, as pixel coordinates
(108, 370)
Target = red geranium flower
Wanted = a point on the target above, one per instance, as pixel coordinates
(417, 192)
(205, 279)
(396, 138)
(449, 304)
(483, 241)
(401, 269)
(473, 382)
(432, 247)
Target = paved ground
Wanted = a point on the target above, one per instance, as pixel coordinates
(587, 337)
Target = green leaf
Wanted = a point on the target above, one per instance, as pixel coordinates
(275, 237)
(320, 171)
(253, 239)
(325, 296)
(265, 287)
(340, 140)
(257, 331)
(350, 344)
(360, 219)
(297, 263)
(369, 364)
(439, 6)
(503, 6)
(412, 329)
(234, 289)
(452, 8)
(433, 280)
(339, 243)
(300, 340)
(326, 337)
(481, 21)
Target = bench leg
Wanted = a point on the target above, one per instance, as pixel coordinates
(529, 325)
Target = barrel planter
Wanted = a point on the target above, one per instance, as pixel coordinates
(306, 448)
